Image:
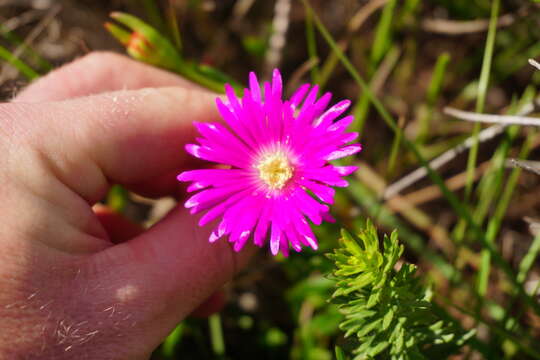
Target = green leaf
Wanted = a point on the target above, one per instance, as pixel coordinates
(389, 311)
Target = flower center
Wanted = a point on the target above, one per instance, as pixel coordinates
(275, 170)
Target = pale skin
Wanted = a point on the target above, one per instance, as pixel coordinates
(78, 281)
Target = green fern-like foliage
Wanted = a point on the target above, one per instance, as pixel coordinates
(388, 312)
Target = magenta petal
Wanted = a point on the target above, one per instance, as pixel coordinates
(258, 125)
(348, 137)
(284, 245)
(262, 225)
(209, 197)
(311, 97)
(333, 113)
(275, 239)
(219, 209)
(327, 175)
(217, 233)
(245, 213)
(342, 124)
(276, 84)
(194, 150)
(294, 239)
(323, 192)
(306, 235)
(328, 217)
(195, 186)
(233, 100)
(321, 104)
(298, 96)
(254, 86)
(345, 170)
(345, 151)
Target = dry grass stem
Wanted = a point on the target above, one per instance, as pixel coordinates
(492, 119)
(363, 14)
(277, 41)
(451, 154)
(453, 27)
(433, 192)
(532, 166)
(534, 63)
(401, 205)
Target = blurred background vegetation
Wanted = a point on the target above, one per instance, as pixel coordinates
(469, 221)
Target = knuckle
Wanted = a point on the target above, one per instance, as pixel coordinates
(97, 58)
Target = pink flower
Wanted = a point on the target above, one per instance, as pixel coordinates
(277, 171)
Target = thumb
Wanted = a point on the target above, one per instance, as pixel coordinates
(165, 273)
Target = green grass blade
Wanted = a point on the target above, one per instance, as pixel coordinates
(24, 69)
(117, 198)
(460, 209)
(152, 10)
(339, 353)
(118, 33)
(482, 91)
(496, 219)
(361, 108)
(394, 151)
(15, 40)
(369, 202)
(312, 46)
(173, 26)
(437, 78)
(383, 33)
(432, 94)
(216, 335)
(529, 259)
(452, 199)
(170, 343)
(500, 331)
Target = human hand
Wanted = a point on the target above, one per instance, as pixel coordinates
(79, 282)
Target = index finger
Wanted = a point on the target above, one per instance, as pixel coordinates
(125, 137)
(95, 73)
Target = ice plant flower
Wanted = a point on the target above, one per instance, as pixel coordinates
(275, 169)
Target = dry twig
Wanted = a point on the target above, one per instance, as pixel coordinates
(492, 119)
(449, 155)
(280, 24)
(453, 27)
(534, 63)
(532, 166)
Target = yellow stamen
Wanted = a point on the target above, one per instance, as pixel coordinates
(275, 170)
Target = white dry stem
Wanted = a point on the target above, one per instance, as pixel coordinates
(492, 119)
(532, 166)
(363, 14)
(455, 27)
(447, 156)
(280, 24)
(534, 63)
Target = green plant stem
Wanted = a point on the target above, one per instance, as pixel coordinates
(43, 64)
(433, 91)
(482, 90)
(396, 143)
(216, 335)
(153, 11)
(170, 343)
(460, 209)
(528, 260)
(312, 46)
(496, 329)
(24, 69)
(495, 222)
(383, 33)
(173, 26)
